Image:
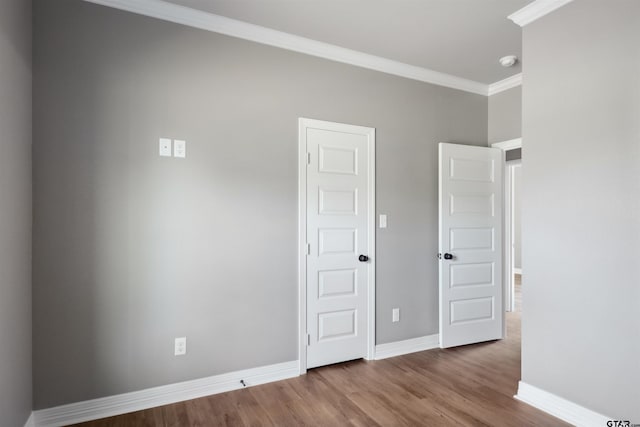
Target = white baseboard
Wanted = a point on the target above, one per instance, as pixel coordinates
(30, 421)
(517, 271)
(398, 348)
(163, 395)
(559, 407)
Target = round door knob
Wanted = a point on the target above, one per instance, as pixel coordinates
(448, 256)
(363, 258)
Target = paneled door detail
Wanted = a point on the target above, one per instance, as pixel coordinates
(470, 233)
(339, 219)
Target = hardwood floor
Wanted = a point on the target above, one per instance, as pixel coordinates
(470, 386)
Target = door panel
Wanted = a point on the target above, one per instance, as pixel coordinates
(337, 283)
(335, 159)
(337, 324)
(480, 274)
(470, 229)
(471, 239)
(334, 241)
(338, 202)
(338, 223)
(471, 310)
(462, 204)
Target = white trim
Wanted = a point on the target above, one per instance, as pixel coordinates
(371, 238)
(302, 248)
(509, 230)
(536, 10)
(507, 258)
(219, 24)
(506, 84)
(560, 407)
(517, 270)
(398, 348)
(30, 421)
(303, 123)
(163, 395)
(511, 144)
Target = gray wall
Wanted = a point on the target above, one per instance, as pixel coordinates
(514, 154)
(505, 115)
(15, 212)
(132, 250)
(581, 205)
(505, 123)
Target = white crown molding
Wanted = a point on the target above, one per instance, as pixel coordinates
(219, 24)
(559, 407)
(398, 348)
(506, 84)
(511, 144)
(163, 395)
(536, 10)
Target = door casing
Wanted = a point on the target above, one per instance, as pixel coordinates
(509, 229)
(303, 124)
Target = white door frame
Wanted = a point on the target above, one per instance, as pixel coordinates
(510, 229)
(507, 255)
(303, 123)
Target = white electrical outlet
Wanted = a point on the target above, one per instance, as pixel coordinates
(179, 148)
(180, 346)
(383, 221)
(395, 315)
(165, 147)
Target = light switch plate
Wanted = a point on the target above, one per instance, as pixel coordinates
(395, 315)
(179, 148)
(383, 221)
(165, 147)
(180, 348)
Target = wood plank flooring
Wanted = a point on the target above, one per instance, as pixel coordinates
(469, 386)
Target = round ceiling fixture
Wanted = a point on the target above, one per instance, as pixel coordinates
(508, 61)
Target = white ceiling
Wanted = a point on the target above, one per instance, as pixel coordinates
(464, 38)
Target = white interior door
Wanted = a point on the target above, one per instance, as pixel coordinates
(339, 227)
(470, 231)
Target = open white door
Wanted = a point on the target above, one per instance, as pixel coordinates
(470, 246)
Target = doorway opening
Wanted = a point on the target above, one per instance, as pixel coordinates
(512, 223)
